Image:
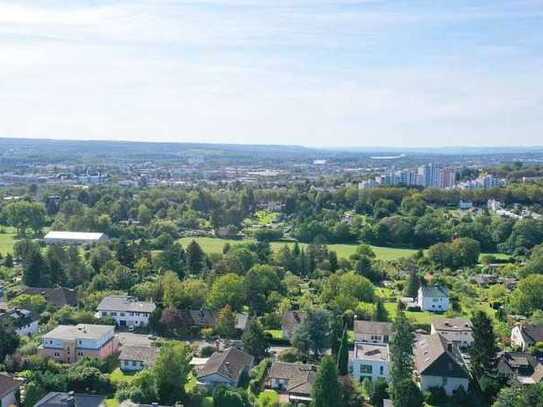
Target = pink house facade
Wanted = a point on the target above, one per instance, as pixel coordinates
(69, 343)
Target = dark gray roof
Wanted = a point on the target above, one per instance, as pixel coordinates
(65, 400)
(373, 328)
(435, 291)
(20, 317)
(521, 366)
(533, 332)
(126, 304)
(434, 358)
(7, 384)
(229, 364)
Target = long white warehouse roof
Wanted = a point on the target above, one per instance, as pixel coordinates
(61, 235)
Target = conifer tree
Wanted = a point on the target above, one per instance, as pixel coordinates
(327, 389)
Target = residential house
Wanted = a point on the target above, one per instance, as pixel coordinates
(137, 352)
(458, 331)
(369, 361)
(69, 343)
(373, 332)
(9, 387)
(225, 368)
(74, 238)
(294, 380)
(433, 298)
(26, 323)
(290, 323)
(523, 336)
(71, 399)
(57, 297)
(522, 367)
(126, 311)
(439, 364)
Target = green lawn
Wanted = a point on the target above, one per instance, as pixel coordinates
(6, 242)
(275, 333)
(213, 245)
(419, 318)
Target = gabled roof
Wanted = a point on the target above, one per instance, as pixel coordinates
(145, 354)
(124, 303)
(434, 358)
(522, 366)
(57, 297)
(373, 328)
(8, 384)
(435, 291)
(229, 364)
(534, 333)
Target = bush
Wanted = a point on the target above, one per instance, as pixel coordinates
(207, 351)
(288, 355)
(436, 396)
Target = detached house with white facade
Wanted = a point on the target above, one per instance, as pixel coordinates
(433, 298)
(126, 311)
(439, 364)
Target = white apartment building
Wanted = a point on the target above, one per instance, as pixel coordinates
(126, 311)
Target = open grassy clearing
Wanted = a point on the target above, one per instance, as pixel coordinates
(214, 245)
(6, 241)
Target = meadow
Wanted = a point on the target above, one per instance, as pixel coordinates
(215, 245)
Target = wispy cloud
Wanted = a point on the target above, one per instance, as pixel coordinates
(315, 72)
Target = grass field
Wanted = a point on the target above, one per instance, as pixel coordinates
(6, 242)
(213, 245)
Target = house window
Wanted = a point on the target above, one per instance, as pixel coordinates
(104, 314)
(122, 314)
(381, 370)
(368, 369)
(113, 314)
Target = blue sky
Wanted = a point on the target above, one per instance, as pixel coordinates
(309, 72)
